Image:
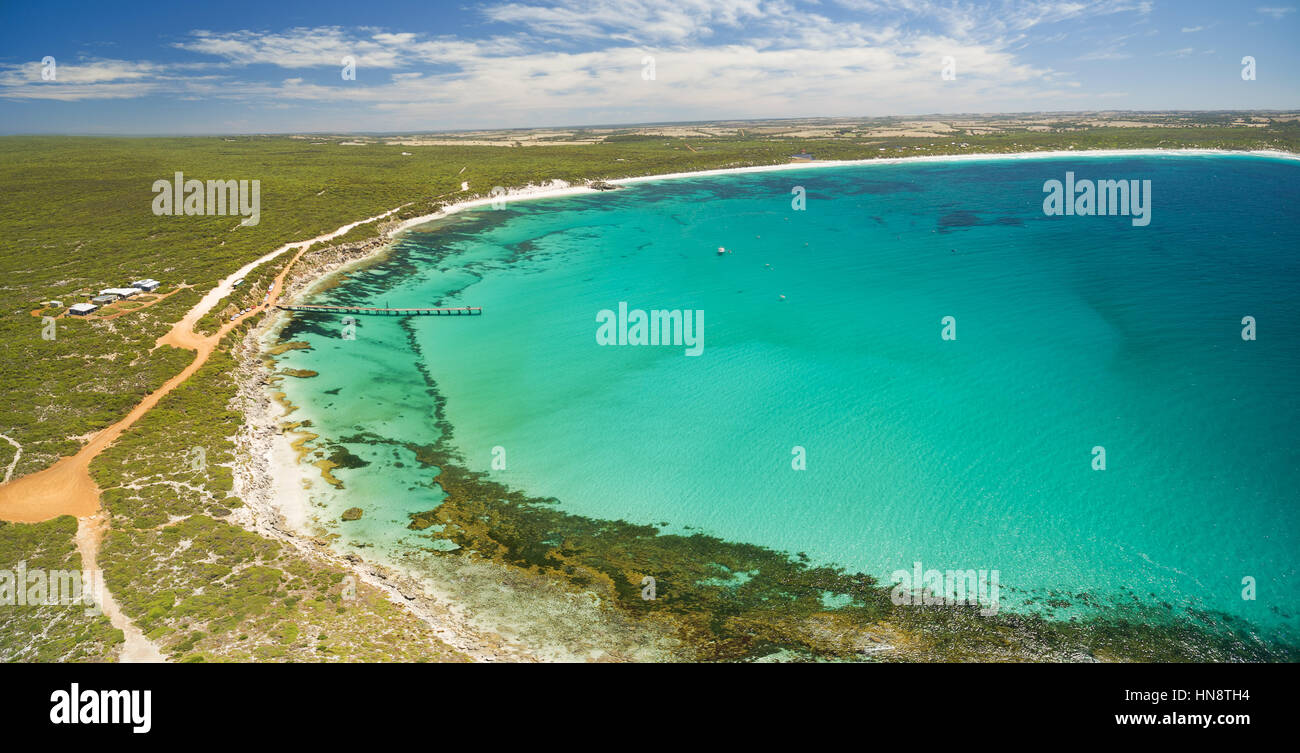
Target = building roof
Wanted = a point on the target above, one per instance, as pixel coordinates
(123, 292)
(79, 307)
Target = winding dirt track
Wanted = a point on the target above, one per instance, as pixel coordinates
(66, 487)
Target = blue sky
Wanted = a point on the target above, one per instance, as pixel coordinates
(252, 67)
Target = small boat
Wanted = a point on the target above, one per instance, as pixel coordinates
(722, 251)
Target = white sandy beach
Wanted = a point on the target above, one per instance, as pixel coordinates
(276, 486)
(224, 288)
(560, 188)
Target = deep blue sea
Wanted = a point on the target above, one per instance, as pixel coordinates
(822, 340)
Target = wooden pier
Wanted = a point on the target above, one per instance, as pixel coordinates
(461, 311)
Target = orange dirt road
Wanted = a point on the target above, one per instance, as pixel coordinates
(66, 488)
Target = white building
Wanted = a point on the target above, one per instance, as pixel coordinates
(147, 284)
(120, 292)
(81, 309)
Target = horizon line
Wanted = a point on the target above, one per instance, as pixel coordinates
(645, 124)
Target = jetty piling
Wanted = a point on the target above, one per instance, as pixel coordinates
(369, 311)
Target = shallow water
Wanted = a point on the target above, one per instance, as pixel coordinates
(822, 331)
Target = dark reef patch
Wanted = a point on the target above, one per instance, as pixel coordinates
(780, 605)
(962, 219)
(342, 458)
(320, 325)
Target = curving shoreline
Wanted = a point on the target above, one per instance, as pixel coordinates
(560, 188)
(274, 485)
(286, 464)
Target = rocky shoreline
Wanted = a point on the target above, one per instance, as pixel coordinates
(260, 466)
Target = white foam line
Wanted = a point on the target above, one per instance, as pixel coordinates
(559, 188)
(224, 287)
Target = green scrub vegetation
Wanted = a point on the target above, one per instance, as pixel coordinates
(78, 218)
(49, 632)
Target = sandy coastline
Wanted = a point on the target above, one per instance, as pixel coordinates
(1000, 156)
(560, 188)
(275, 486)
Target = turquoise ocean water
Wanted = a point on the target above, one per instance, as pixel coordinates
(822, 330)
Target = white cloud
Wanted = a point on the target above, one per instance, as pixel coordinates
(1277, 13)
(72, 81)
(637, 21)
(327, 46)
(580, 61)
(761, 78)
(1106, 54)
(1003, 18)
